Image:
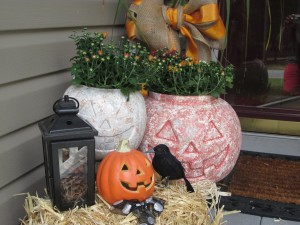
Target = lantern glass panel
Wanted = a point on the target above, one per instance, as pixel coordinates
(73, 174)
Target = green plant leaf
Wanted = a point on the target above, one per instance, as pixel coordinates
(270, 24)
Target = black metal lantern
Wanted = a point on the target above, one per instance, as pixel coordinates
(69, 156)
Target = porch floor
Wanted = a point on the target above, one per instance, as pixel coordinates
(246, 219)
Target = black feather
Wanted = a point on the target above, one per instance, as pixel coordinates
(168, 166)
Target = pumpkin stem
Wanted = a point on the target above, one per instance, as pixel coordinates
(123, 146)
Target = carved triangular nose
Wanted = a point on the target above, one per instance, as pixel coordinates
(191, 148)
(105, 125)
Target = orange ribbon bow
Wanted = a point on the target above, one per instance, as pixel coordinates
(198, 21)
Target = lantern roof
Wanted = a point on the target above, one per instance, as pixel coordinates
(65, 124)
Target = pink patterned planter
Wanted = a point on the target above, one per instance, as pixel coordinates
(204, 133)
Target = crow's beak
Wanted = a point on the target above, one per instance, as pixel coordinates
(150, 151)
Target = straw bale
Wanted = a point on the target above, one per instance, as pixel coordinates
(181, 207)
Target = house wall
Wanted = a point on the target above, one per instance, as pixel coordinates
(35, 54)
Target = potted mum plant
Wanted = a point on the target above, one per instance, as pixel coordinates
(106, 82)
(105, 64)
(185, 112)
(177, 74)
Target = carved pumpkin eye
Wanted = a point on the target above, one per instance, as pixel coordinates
(124, 168)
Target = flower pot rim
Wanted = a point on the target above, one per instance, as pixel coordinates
(168, 97)
(107, 89)
(85, 86)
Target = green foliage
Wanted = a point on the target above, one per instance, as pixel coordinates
(178, 75)
(111, 65)
(127, 65)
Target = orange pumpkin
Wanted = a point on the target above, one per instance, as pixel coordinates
(125, 174)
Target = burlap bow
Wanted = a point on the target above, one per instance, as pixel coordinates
(158, 25)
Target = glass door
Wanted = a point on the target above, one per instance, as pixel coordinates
(263, 44)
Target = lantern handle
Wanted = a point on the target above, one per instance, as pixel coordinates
(71, 108)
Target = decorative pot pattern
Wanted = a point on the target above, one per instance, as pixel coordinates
(203, 132)
(112, 115)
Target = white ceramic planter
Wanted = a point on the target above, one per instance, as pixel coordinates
(112, 115)
(203, 132)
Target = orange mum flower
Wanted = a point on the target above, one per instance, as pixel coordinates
(150, 57)
(104, 34)
(182, 63)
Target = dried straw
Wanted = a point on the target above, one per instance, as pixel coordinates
(181, 207)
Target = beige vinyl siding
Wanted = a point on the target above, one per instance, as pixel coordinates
(11, 205)
(35, 14)
(35, 52)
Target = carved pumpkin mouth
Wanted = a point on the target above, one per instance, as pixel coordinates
(207, 166)
(138, 186)
(202, 168)
(106, 143)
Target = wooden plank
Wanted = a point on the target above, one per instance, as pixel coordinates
(29, 54)
(34, 14)
(27, 102)
(20, 152)
(11, 206)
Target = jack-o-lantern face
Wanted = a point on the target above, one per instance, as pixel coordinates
(134, 179)
(202, 132)
(112, 115)
(125, 176)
